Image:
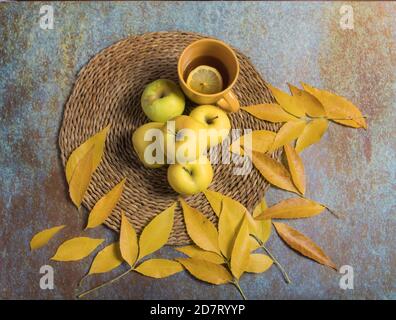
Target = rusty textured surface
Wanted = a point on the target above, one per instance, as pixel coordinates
(351, 170)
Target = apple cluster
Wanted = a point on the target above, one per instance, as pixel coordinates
(180, 141)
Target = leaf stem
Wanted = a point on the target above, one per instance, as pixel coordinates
(236, 284)
(282, 270)
(104, 284)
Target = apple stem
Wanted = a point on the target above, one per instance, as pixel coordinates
(188, 171)
(210, 120)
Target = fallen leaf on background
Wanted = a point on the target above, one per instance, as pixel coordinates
(273, 171)
(258, 263)
(263, 227)
(41, 238)
(241, 250)
(128, 241)
(313, 132)
(271, 112)
(98, 142)
(76, 249)
(229, 223)
(296, 167)
(338, 109)
(206, 271)
(303, 244)
(156, 234)
(287, 133)
(107, 259)
(312, 106)
(103, 208)
(195, 252)
(81, 178)
(292, 208)
(261, 140)
(159, 268)
(215, 200)
(200, 229)
(287, 102)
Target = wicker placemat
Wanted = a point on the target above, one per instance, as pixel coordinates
(108, 90)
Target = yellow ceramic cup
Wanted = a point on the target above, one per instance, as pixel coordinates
(215, 54)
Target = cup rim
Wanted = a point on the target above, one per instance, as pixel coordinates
(180, 73)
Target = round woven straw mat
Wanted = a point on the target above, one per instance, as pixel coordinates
(108, 91)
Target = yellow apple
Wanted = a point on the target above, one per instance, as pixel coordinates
(215, 121)
(147, 148)
(184, 139)
(162, 100)
(192, 177)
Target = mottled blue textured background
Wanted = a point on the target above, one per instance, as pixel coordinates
(352, 171)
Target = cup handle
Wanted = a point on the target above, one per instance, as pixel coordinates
(229, 102)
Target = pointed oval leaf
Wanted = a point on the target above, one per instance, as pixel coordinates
(296, 167)
(312, 133)
(312, 106)
(241, 250)
(273, 171)
(293, 208)
(41, 238)
(196, 252)
(98, 142)
(263, 227)
(271, 112)
(107, 259)
(303, 244)
(200, 229)
(206, 271)
(214, 198)
(338, 108)
(76, 249)
(287, 133)
(287, 102)
(81, 178)
(258, 140)
(159, 268)
(128, 241)
(258, 263)
(156, 234)
(103, 208)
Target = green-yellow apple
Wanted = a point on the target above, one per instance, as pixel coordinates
(215, 120)
(162, 100)
(184, 139)
(192, 177)
(147, 141)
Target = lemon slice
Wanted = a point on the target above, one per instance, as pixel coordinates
(205, 79)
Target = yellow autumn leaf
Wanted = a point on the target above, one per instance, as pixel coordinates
(292, 208)
(229, 222)
(97, 141)
(241, 250)
(195, 252)
(263, 227)
(302, 244)
(287, 102)
(107, 259)
(287, 133)
(312, 106)
(273, 171)
(206, 271)
(258, 263)
(296, 167)
(312, 133)
(215, 200)
(258, 140)
(103, 208)
(338, 109)
(76, 249)
(128, 241)
(156, 234)
(159, 268)
(81, 178)
(271, 112)
(41, 238)
(200, 229)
